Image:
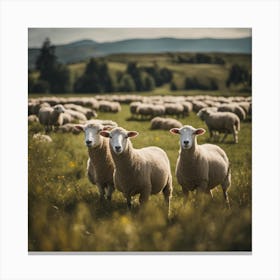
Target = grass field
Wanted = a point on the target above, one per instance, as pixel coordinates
(65, 214)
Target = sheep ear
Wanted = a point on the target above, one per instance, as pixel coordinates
(200, 131)
(174, 130)
(105, 133)
(132, 134)
(79, 127)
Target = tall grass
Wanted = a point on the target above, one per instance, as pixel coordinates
(65, 214)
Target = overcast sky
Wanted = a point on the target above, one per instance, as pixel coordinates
(36, 36)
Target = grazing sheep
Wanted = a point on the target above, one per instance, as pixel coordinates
(198, 105)
(68, 128)
(87, 112)
(233, 108)
(143, 171)
(33, 118)
(51, 116)
(76, 115)
(133, 107)
(201, 167)
(164, 123)
(42, 138)
(187, 108)
(175, 109)
(144, 110)
(222, 122)
(110, 107)
(100, 166)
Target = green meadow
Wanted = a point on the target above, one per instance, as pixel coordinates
(65, 214)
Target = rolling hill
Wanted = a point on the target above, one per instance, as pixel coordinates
(84, 49)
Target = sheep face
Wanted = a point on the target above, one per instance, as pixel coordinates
(59, 108)
(92, 136)
(118, 139)
(187, 135)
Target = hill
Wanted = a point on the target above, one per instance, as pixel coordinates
(82, 50)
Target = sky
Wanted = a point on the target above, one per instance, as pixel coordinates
(36, 36)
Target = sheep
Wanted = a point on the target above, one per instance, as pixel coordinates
(133, 107)
(33, 118)
(164, 123)
(143, 171)
(107, 106)
(187, 108)
(50, 116)
(233, 108)
(76, 115)
(201, 167)
(224, 122)
(68, 128)
(100, 166)
(198, 105)
(87, 112)
(144, 110)
(42, 138)
(174, 109)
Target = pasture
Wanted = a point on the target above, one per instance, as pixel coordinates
(65, 214)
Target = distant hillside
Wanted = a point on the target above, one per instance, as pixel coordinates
(82, 50)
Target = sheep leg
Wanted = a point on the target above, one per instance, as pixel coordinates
(128, 202)
(235, 136)
(225, 186)
(167, 193)
(101, 192)
(110, 190)
(186, 195)
(224, 137)
(143, 198)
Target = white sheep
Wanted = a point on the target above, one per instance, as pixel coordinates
(164, 123)
(222, 122)
(51, 116)
(100, 166)
(201, 167)
(143, 171)
(233, 108)
(33, 118)
(43, 138)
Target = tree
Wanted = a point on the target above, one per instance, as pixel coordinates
(239, 74)
(54, 73)
(127, 83)
(96, 78)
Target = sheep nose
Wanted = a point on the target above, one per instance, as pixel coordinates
(118, 148)
(88, 142)
(186, 142)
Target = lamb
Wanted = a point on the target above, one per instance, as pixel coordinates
(224, 122)
(51, 116)
(143, 171)
(201, 167)
(164, 123)
(234, 108)
(100, 166)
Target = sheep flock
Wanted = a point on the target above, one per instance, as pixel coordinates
(147, 171)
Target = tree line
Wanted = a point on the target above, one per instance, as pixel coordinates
(55, 77)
